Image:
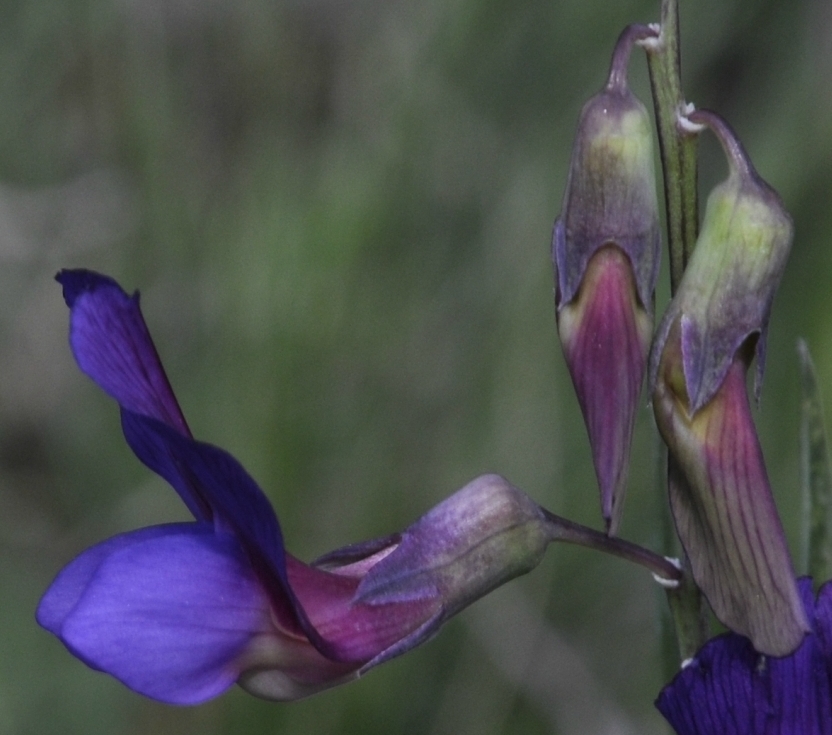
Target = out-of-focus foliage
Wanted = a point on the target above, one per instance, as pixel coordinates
(339, 216)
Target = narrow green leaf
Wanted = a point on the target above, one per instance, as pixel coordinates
(816, 474)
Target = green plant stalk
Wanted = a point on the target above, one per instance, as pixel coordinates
(677, 148)
(688, 607)
(690, 619)
(816, 474)
(669, 544)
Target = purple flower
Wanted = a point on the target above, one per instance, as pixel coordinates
(606, 256)
(716, 323)
(181, 612)
(730, 688)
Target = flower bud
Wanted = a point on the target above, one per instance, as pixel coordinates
(606, 255)
(479, 538)
(726, 292)
(406, 586)
(719, 491)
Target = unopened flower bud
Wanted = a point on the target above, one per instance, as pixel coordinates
(722, 502)
(606, 256)
(477, 539)
(402, 588)
(726, 292)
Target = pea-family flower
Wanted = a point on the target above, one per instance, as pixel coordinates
(181, 612)
(719, 490)
(729, 688)
(606, 255)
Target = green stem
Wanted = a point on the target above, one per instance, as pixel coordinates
(690, 618)
(687, 603)
(816, 474)
(677, 147)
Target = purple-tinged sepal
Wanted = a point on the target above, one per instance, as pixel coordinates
(606, 255)
(405, 586)
(728, 688)
(719, 490)
(726, 293)
(477, 539)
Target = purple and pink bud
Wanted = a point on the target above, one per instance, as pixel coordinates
(720, 497)
(606, 256)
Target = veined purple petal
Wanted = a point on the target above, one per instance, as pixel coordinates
(606, 334)
(726, 517)
(112, 345)
(155, 453)
(237, 502)
(362, 632)
(723, 507)
(729, 688)
(168, 610)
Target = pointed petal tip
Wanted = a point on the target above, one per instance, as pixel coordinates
(611, 523)
(112, 345)
(76, 282)
(776, 627)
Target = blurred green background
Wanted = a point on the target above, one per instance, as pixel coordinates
(339, 216)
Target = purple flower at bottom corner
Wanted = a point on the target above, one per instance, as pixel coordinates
(181, 612)
(730, 688)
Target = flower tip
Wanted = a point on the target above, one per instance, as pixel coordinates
(76, 282)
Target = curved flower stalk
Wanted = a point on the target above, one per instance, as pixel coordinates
(721, 498)
(606, 256)
(181, 612)
(729, 688)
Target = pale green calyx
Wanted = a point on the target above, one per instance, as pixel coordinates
(726, 293)
(610, 196)
(482, 536)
